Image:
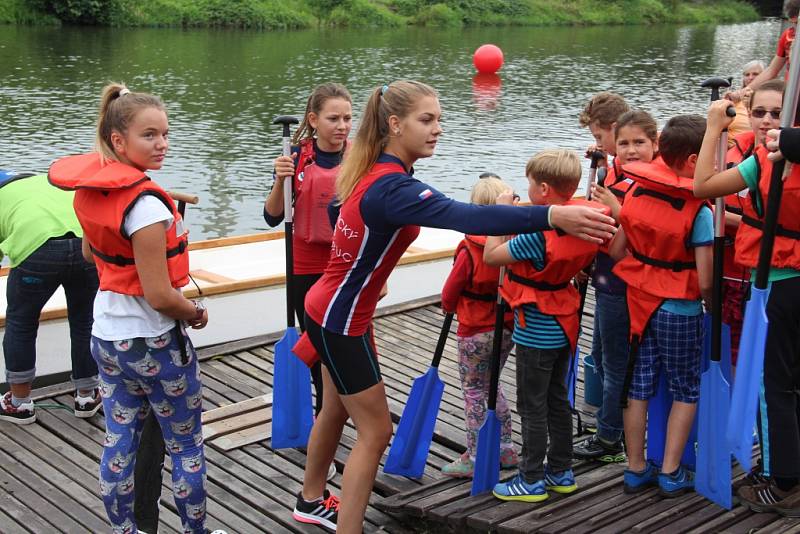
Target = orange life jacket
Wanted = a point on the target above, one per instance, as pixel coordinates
(786, 251)
(477, 303)
(743, 147)
(104, 193)
(657, 217)
(314, 189)
(551, 288)
(617, 182)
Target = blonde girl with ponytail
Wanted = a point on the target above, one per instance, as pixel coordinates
(381, 208)
(135, 235)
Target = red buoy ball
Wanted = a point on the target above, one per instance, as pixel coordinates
(488, 58)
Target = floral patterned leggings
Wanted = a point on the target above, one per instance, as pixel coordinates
(474, 359)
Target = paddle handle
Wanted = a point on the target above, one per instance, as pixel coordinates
(596, 157)
(719, 228)
(497, 343)
(288, 196)
(779, 170)
(719, 258)
(437, 355)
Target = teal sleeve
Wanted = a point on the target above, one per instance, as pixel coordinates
(749, 171)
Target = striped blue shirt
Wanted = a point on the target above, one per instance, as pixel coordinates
(541, 331)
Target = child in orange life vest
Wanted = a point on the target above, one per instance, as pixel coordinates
(471, 292)
(636, 136)
(665, 257)
(777, 488)
(764, 114)
(319, 146)
(538, 287)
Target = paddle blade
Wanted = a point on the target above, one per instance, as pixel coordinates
(412, 441)
(487, 457)
(572, 377)
(292, 412)
(713, 474)
(746, 387)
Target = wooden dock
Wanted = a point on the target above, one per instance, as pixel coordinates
(48, 470)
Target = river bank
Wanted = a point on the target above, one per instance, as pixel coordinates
(296, 14)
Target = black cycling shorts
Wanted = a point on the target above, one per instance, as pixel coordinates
(352, 361)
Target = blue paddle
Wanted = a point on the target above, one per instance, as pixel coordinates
(713, 474)
(292, 411)
(412, 441)
(750, 365)
(487, 456)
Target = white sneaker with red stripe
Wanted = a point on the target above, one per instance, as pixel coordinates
(322, 511)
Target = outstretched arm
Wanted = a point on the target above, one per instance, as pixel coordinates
(398, 200)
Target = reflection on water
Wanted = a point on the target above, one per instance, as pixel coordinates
(223, 87)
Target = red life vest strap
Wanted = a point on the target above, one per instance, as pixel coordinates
(536, 284)
(124, 261)
(779, 230)
(484, 297)
(676, 266)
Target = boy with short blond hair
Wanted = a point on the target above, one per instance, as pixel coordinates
(537, 286)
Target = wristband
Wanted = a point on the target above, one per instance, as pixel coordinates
(549, 211)
(199, 308)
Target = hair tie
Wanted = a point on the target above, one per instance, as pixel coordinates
(384, 89)
(124, 91)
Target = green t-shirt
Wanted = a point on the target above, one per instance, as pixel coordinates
(749, 171)
(31, 212)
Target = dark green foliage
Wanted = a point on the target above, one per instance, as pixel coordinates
(91, 12)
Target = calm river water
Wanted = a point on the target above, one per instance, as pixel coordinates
(223, 87)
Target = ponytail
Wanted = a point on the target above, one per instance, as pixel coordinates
(397, 98)
(118, 107)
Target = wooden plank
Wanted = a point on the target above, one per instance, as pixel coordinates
(244, 437)
(208, 276)
(588, 477)
(234, 424)
(237, 408)
(69, 498)
(25, 506)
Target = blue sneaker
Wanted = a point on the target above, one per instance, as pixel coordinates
(560, 482)
(636, 481)
(676, 484)
(517, 489)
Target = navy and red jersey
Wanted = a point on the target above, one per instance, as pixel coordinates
(309, 258)
(376, 224)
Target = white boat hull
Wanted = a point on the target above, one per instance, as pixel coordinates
(243, 282)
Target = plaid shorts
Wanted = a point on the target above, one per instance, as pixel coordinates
(676, 343)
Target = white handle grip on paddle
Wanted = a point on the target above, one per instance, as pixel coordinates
(288, 188)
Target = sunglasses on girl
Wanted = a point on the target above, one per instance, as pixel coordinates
(759, 113)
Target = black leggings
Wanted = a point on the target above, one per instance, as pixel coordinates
(351, 360)
(781, 382)
(302, 283)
